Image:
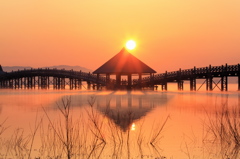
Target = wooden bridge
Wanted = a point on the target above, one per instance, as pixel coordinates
(44, 78)
(207, 73)
(59, 79)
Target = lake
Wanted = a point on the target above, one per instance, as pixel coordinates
(120, 124)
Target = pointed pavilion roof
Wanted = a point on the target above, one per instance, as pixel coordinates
(124, 63)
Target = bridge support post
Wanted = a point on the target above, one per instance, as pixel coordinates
(79, 84)
(164, 86)
(54, 83)
(41, 82)
(58, 83)
(48, 82)
(180, 85)
(76, 83)
(12, 83)
(63, 83)
(44, 83)
(179, 81)
(24, 82)
(38, 81)
(209, 83)
(7, 84)
(15, 83)
(224, 79)
(70, 83)
(129, 87)
(118, 81)
(98, 85)
(29, 82)
(209, 79)
(224, 83)
(3, 83)
(88, 85)
(193, 84)
(34, 82)
(152, 81)
(140, 81)
(19, 83)
(107, 81)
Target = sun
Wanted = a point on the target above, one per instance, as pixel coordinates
(130, 44)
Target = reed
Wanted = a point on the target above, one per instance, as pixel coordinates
(64, 136)
(3, 128)
(71, 138)
(223, 128)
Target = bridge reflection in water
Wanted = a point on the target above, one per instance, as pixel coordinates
(127, 107)
(122, 107)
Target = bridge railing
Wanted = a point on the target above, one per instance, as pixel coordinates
(56, 72)
(192, 72)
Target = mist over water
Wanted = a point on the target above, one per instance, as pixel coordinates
(136, 115)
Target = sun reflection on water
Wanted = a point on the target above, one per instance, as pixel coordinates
(133, 127)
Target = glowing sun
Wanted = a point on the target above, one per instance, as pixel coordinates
(130, 44)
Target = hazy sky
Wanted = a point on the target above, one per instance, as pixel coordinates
(170, 34)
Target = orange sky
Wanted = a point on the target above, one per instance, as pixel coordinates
(169, 34)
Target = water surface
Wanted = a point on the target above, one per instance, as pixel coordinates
(119, 124)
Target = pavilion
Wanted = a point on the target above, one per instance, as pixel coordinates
(123, 64)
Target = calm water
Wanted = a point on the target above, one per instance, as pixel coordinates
(115, 124)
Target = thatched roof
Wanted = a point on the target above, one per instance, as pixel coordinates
(124, 63)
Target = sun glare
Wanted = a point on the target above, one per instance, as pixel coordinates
(130, 44)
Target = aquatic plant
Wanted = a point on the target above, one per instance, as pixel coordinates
(91, 136)
(223, 128)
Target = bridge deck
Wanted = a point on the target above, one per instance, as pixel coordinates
(43, 78)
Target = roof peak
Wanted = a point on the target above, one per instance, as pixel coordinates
(124, 50)
(124, 62)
